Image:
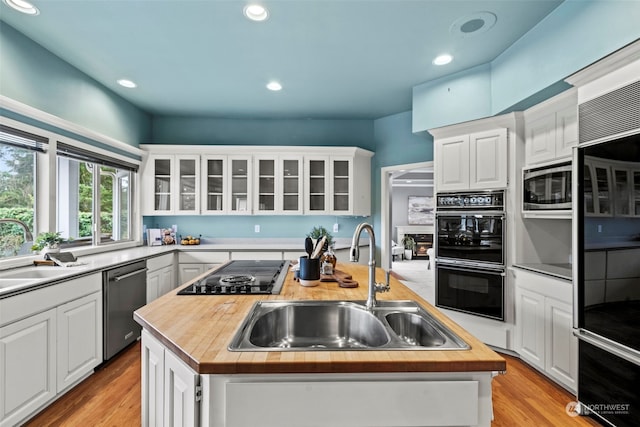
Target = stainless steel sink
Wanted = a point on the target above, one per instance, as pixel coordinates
(320, 326)
(342, 325)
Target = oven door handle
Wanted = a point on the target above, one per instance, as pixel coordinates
(609, 346)
(479, 214)
(470, 267)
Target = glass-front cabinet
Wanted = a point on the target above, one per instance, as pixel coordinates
(214, 184)
(278, 185)
(611, 188)
(317, 182)
(341, 185)
(240, 185)
(175, 184)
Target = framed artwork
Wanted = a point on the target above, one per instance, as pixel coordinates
(420, 210)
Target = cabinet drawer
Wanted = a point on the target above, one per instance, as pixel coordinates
(158, 262)
(202, 257)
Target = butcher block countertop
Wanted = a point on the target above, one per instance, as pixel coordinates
(199, 328)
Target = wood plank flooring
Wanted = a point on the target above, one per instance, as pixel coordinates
(111, 397)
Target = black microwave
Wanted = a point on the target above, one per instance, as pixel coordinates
(547, 188)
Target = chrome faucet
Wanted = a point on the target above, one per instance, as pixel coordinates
(28, 237)
(355, 255)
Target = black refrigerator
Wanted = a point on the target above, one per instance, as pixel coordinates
(607, 279)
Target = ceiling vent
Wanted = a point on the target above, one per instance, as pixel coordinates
(473, 25)
(611, 114)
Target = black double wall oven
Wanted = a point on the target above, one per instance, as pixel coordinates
(470, 252)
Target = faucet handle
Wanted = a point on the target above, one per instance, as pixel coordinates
(384, 287)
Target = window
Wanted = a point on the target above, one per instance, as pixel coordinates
(94, 194)
(19, 153)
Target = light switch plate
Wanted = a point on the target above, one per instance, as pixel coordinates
(256, 228)
(336, 227)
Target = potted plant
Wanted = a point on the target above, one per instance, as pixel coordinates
(409, 245)
(317, 233)
(48, 242)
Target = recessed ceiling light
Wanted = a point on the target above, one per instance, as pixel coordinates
(275, 86)
(443, 59)
(256, 12)
(127, 83)
(22, 6)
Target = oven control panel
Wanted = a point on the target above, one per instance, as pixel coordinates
(468, 200)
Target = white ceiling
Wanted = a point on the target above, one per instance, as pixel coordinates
(336, 59)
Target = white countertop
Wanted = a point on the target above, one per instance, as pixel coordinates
(106, 260)
(561, 271)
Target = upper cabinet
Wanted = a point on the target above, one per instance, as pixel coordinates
(223, 181)
(476, 160)
(171, 185)
(551, 129)
(611, 188)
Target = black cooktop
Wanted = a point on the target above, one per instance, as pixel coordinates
(252, 277)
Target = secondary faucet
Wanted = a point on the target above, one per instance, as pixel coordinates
(28, 237)
(355, 256)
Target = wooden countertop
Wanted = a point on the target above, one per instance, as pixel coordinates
(198, 329)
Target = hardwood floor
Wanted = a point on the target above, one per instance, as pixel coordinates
(111, 397)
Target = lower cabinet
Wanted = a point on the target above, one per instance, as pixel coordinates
(27, 366)
(544, 327)
(50, 339)
(170, 389)
(192, 264)
(161, 277)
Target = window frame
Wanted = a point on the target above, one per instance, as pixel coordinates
(46, 186)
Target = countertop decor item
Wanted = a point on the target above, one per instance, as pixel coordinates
(318, 232)
(48, 242)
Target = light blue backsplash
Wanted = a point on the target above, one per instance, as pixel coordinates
(34, 76)
(285, 226)
(299, 132)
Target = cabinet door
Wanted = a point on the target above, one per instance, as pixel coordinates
(214, 184)
(341, 185)
(452, 163)
(622, 180)
(152, 381)
(540, 145)
(530, 324)
(291, 185)
(79, 338)
(187, 179)
(180, 406)
(635, 192)
(317, 185)
(566, 131)
(190, 271)
(167, 282)
(27, 366)
(561, 346)
(239, 184)
(265, 184)
(600, 174)
(153, 285)
(160, 169)
(488, 159)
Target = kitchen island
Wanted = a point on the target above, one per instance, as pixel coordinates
(191, 377)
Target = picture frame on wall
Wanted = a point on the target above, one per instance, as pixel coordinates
(420, 210)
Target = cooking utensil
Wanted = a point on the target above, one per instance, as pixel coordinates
(308, 246)
(318, 248)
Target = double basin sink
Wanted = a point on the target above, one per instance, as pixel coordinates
(342, 325)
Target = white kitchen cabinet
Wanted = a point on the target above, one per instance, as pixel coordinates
(471, 161)
(192, 264)
(50, 339)
(544, 326)
(161, 277)
(79, 338)
(221, 180)
(278, 185)
(338, 185)
(170, 394)
(171, 185)
(27, 366)
(215, 178)
(551, 129)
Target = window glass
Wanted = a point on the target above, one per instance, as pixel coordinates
(19, 153)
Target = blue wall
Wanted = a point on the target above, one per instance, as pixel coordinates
(301, 132)
(34, 76)
(576, 34)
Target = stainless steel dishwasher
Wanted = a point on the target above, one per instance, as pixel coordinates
(124, 291)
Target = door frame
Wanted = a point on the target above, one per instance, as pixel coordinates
(385, 207)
